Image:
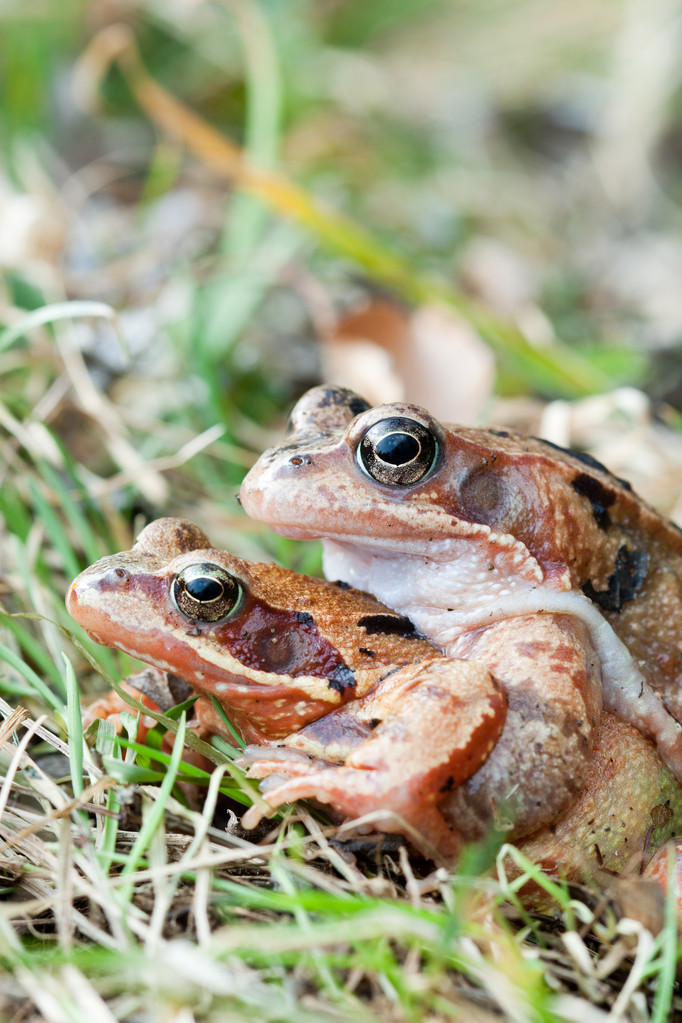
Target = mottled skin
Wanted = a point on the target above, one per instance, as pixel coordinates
(498, 529)
(402, 738)
(629, 805)
(367, 715)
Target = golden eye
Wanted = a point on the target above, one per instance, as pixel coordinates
(207, 593)
(398, 451)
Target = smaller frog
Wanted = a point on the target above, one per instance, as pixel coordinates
(360, 710)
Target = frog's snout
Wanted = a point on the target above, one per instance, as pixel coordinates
(102, 576)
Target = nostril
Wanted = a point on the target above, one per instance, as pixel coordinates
(119, 575)
(300, 460)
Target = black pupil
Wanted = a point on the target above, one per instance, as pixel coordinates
(397, 448)
(204, 589)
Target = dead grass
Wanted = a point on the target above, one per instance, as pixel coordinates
(307, 923)
(157, 325)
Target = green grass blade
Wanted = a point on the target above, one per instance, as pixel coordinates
(32, 647)
(73, 513)
(40, 689)
(668, 938)
(54, 530)
(53, 313)
(75, 728)
(157, 809)
(107, 746)
(220, 711)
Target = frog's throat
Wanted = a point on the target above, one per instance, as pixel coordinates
(451, 539)
(446, 601)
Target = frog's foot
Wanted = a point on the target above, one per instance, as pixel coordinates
(356, 793)
(431, 726)
(275, 767)
(262, 761)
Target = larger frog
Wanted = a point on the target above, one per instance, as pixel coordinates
(345, 703)
(495, 545)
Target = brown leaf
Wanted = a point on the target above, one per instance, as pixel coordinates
(428, 356)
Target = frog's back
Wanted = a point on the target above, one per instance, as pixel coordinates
(623, 554)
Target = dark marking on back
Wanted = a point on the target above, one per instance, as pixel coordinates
(582, 456)
(447, 785)
(599, 496)
(389, 625)
(586, 459)
(500, 433)
(358, 405)
(331, 397)
(342, 586)
(366, 651)
(341, 678)
(343, 396)
(304, 617)
(627, 578)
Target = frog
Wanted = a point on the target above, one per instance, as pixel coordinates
(325, 685)
(340, 700)
(498, 546)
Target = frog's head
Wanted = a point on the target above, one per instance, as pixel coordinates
(395, 479)
(231, 629)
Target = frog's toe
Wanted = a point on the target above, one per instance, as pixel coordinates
(263, 761)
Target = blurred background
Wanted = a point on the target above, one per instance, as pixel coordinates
(471, 203)
(206, 207)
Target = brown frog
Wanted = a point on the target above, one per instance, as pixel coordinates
(346, 704)
(498, 547)
(357, 708)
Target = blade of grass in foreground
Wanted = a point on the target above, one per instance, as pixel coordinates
(152, 820)
(667, 942)
(40, 689)
(107, 746)
(75, 730)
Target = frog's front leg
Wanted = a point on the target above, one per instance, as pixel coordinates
(418, 734)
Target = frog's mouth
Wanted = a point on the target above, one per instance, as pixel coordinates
(382, 525)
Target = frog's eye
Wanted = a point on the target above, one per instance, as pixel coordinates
(207, 593)
(397, 451)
